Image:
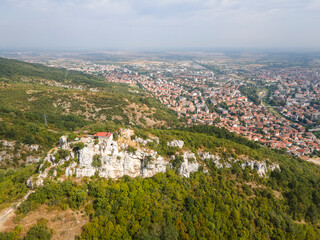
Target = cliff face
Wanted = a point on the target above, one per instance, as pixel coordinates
(112, 159)
(116, 163)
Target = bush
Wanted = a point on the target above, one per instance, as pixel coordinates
(131, 149)
(96, 162)
(78, 146)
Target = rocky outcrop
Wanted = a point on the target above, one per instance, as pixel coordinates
(63, 142)
(261, 167)
(142, 141)
(32, 159)
(115, 163)
(29, 183)
(109, 159)
(34, 182)
(176, 143)
(10, 150)
(189, 164)
(214, 158)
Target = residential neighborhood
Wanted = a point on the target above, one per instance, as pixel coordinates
(210, 92)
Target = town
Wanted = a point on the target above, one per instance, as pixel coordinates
(278, 107)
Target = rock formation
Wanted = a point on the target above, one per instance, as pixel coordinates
(109, 159)
(176, 143)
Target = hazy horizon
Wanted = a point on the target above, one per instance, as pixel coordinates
(159, 25)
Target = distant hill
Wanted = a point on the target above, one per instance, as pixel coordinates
(15, 70)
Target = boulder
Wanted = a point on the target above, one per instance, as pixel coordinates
(29, 183)
(63, 141)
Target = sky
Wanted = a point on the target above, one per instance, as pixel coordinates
(159, 24)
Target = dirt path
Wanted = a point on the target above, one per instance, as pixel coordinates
(8, 213)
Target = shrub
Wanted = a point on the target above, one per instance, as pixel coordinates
(96, 162)
(63, 153)
(131, 149)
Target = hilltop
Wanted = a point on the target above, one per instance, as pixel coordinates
(139, 183)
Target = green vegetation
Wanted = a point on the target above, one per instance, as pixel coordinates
(40, 231)
(13, 235)
(226, 203)
(71, 137)
(13, 184)
(251, 91)
(217, 205)
(96, 162)
(63, 153)
(131, 149)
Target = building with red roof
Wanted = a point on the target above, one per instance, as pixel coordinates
(105, 135)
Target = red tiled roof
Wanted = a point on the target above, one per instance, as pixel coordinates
(102, 134)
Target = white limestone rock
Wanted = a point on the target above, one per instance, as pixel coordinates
(176, 143)
(261, 167)
(154, 165)
(142, 141)
(71, 169)
(34, 147)
(32, 159)
(189, 164)
(214, 158)
(63, 142)
(273, 167)
(115, 163)
(52, 158)
(29, 183)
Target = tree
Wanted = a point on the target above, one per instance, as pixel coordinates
(312, 214)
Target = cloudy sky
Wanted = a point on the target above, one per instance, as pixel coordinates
(159, 24)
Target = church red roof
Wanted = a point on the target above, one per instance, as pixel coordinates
(103, 134)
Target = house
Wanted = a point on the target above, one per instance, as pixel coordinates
(104, 135)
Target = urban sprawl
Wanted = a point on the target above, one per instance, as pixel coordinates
(277, 106)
